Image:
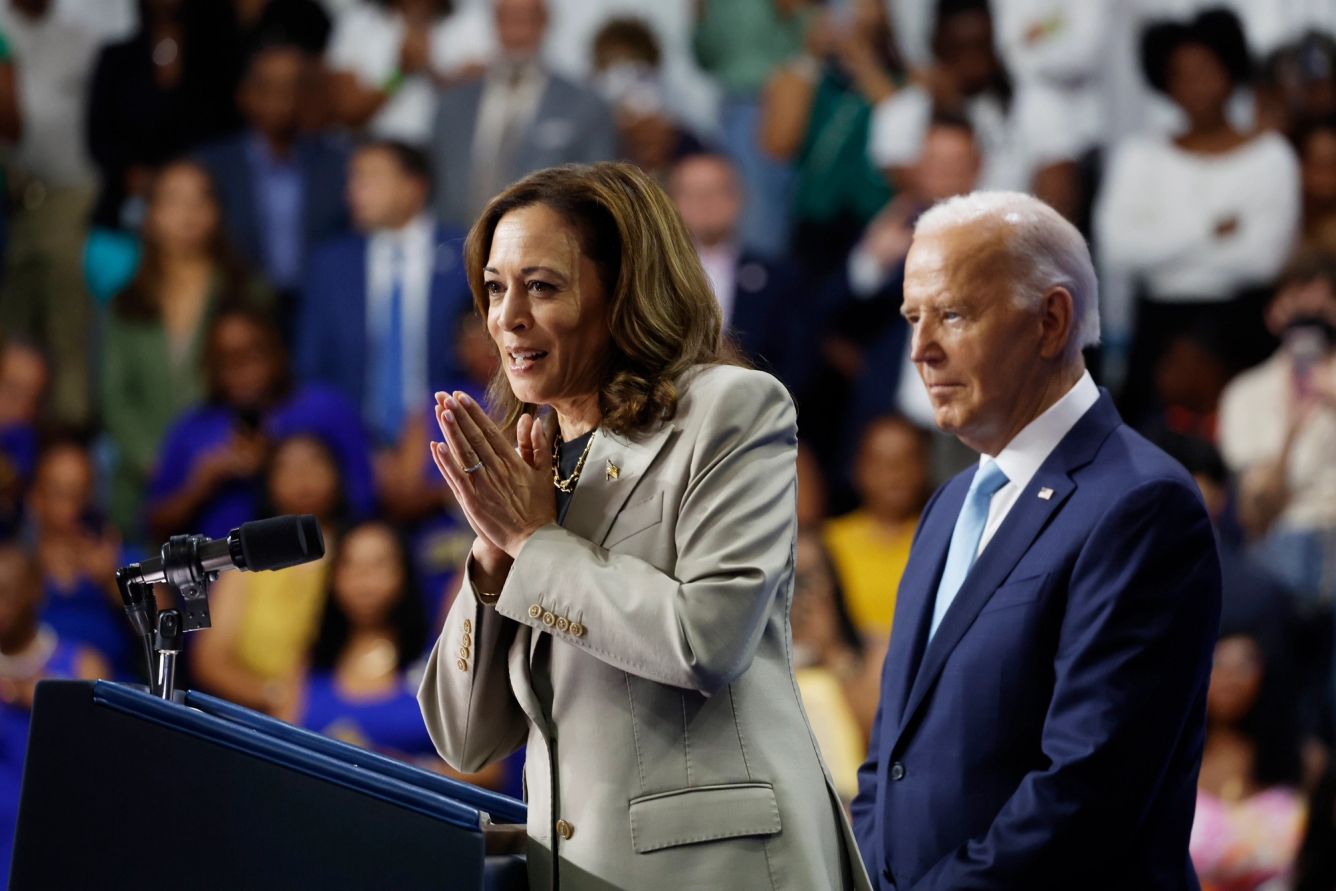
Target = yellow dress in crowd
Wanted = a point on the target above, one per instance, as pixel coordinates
(869, 562)
(280, 618)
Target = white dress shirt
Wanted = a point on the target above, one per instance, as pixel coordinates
(1021, 459)
(721, 266)
(412, 249)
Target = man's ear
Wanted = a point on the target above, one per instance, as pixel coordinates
(1057, 314)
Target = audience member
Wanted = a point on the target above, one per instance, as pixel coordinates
(760, 297)
(155, 333)
(827, 662)
(627, 75)
(374, 297)
(388, 57)
(281, 190)
(870, 545)
(78, 553)
(51, 177)
(740, 43)
(1297, 84)
(29, 652)
(1317, 159)
(1197, 220)
(1250, 813)
(966, 79)
(518, 118)
(265, 622)
(1278, 432)
(164, 91)
(23, 377)
(208, 473)
(816, 112)
(301, 23)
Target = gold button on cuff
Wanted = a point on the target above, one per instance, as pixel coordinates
(549, 620)
(565, 830)
(535, 611)
(468, 627)
(563, 623)
(463, 652)
(466, 640)
(577, 629)
(462, 665)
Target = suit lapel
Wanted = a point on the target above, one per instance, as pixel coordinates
(599, 496)
(1023, 524)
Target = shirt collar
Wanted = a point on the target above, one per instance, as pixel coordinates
(261, 152)
(1021, 459)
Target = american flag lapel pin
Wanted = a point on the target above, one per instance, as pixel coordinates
(1045, 493)
(613, 470)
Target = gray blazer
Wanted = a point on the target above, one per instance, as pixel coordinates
(571, 124)
(677, 753)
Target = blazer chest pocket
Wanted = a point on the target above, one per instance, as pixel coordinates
(636, 518)
(701, 814)
(1017, 593)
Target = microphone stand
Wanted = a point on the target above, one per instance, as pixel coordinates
(161, 632)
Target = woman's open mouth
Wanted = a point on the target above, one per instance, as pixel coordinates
(525, 360)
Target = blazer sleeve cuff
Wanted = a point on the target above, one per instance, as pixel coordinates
(526, 597)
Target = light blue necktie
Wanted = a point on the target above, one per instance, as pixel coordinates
(388, 410)
(965, 539)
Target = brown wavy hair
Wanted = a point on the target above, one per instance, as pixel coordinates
(662, 313)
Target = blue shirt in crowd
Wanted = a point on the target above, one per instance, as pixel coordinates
(280, 198)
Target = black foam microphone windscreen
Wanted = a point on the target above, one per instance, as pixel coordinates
(281, 542)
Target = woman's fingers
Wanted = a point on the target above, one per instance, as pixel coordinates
(542, 449)
(459, 419)
(524, 439)
(461, 448)
(484, 424)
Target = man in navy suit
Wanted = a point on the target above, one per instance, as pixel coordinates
(1043, 699)
(380, 305)
(759, 295)
(281, 190)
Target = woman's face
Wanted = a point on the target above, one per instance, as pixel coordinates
(815, 623)
(247, 364)
(369, 577)
(1236, 679)
(546, 310)
(303, 479)
(182, 215)
(1198, 81)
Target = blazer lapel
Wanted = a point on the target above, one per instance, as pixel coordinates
(1023, 524)
(915, 598)
(600, 495)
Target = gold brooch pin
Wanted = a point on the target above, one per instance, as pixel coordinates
(613, 471)
(1045, 493)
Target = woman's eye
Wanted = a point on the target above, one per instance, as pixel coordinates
(539, 286)
(493, 287)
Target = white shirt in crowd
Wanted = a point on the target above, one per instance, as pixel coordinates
(1255, 415)
(54, 61)
(900, 123)
(721, 266)
(1021, 458)
(409, 255)
(1159, 209)
(366, 41)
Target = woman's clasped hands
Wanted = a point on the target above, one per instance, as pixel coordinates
(505, 490)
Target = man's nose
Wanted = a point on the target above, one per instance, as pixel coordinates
(923, 345)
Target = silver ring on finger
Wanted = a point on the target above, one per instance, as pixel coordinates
(474, 468)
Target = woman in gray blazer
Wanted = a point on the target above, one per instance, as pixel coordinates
(625, 606)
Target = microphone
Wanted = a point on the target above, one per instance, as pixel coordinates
(256, 546)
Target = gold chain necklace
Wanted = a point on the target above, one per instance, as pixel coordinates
(568, 485)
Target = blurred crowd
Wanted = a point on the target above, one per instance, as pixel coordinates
(232, 280)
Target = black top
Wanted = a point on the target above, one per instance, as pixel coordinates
(570, 456)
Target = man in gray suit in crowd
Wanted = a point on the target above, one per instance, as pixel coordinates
(519, 117)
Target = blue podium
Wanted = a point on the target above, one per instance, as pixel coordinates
(122, 790)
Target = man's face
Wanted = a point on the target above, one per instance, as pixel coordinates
(380, 193)
(520, 25)
(707, 195)
(271, 93)
(976, 350)
(948, 165)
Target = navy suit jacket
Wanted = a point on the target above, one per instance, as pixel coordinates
(1050, 735)
(324, 165)
(765, 297)
(331, 329)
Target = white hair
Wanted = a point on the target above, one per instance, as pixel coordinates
(1050, 252)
